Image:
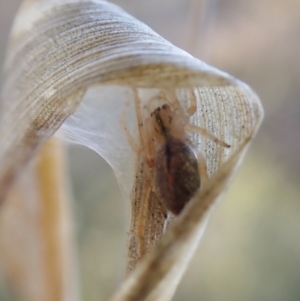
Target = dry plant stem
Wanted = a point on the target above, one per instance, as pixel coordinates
(51, 217)
(144, 280)
(36, 241)
(56, 227)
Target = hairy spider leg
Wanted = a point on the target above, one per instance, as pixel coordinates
(143, 149)
(152, 99)
(145, 131)
(202, 168)
(126, 132)
(206, 133)
(142, 216)
(191, 110)
(172, 99)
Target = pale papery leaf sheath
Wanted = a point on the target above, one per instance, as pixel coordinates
(61, 49)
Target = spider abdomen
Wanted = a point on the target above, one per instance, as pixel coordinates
(177, 175)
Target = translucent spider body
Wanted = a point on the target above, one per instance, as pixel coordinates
(175, 169)
(177, 176)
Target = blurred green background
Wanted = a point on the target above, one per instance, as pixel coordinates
(251, 248)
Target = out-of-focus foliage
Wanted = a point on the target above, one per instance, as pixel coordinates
(251, 248)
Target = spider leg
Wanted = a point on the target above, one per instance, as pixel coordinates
(191, 110)
(139, 117)
(147, 152)
(206, 133)
(142, 217)
(202, 167)
(145, 137)
(172, 99)
(126, 132)
(145, 148)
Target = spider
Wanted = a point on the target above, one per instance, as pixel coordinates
(177, 168)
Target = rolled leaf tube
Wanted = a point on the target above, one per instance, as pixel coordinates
(77, 64)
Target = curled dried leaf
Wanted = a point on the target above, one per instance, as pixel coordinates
(77, 63)
(59, 49)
